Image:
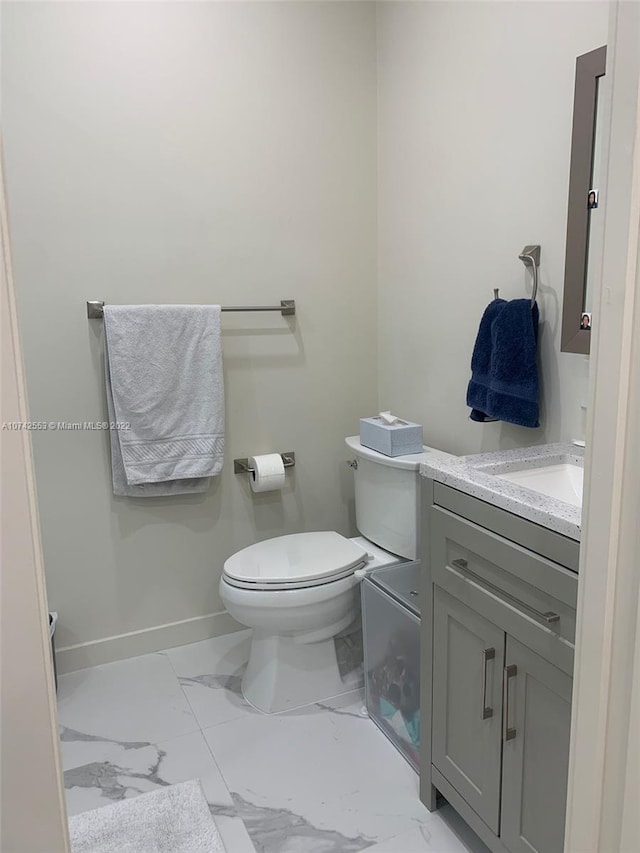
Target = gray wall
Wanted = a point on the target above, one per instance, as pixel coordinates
(475, 109)
(170, 152)
(236, 153)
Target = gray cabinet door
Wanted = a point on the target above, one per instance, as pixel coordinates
(536, 754)
(468, 659)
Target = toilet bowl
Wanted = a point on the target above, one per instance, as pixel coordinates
(298, 593)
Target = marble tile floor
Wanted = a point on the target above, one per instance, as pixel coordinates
(322, 779)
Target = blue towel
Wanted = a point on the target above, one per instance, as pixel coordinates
(508, 390)
(481, 364)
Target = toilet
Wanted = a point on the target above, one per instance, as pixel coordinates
(301, 591)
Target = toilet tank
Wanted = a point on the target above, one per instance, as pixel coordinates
(387, 492)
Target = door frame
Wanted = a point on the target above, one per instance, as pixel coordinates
(32, 802)
(604, 784)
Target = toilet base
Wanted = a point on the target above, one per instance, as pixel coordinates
(283, 674)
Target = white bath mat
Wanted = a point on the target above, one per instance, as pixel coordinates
(172, 820)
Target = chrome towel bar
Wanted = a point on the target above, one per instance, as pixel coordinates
(287, 307)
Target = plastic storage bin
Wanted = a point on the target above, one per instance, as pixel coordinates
(391, 630)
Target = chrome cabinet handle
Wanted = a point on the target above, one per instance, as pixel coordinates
(487, 655)
(549, 617)
(509, 672)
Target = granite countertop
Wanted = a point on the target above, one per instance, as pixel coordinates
(475, 475)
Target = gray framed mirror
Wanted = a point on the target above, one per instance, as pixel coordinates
(584, 201)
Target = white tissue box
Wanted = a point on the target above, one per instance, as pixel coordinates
(399, 439)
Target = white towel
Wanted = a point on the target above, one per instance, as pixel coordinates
(163, 369)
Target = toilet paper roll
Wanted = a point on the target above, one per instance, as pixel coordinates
(268, 472)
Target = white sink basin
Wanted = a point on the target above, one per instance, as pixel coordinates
(562, 481)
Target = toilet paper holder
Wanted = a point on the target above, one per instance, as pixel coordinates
(241, 466)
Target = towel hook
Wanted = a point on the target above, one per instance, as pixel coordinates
(530, 257)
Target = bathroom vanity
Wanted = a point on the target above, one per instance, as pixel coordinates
(500, 580)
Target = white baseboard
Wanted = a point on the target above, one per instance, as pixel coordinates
(155, 639)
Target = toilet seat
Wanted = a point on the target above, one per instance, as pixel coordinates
(297, 561)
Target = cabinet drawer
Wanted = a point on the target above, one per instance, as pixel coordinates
(531, 597)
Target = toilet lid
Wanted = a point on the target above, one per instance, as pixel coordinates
(301, 559)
